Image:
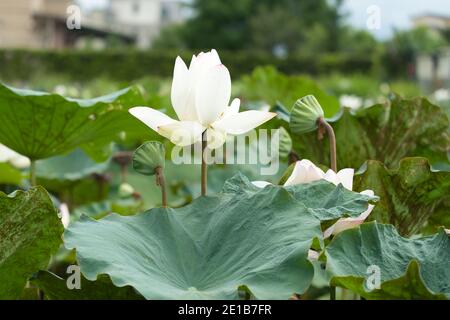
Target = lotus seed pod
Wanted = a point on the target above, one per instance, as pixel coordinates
(304, 115)
(148, 157)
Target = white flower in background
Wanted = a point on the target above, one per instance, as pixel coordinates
(447, 231)
(305, 172)
(313, 255)
(64, 215)
(442, 95)
(200, 97)
(60, 89)
(350, 101)
(17, 160)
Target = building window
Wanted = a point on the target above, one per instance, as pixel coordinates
(136, 6)
(165, 12)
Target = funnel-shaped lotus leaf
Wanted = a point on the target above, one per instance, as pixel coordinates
(304, 115)
(285, 146)
(148, 157)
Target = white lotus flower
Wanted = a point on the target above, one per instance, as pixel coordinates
(17, 160)
(305, 171)
(200, 97)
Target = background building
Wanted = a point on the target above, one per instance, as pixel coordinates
(41, 24)
(144, 18)
(31, 23)
(433, 21)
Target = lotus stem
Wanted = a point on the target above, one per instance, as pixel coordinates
(293, 157)
(161, 182)
(332, 293)
(123, 159)
(324, 125)
(204, 165)
(123, 173)
(33, 173)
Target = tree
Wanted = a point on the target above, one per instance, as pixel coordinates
(264, 24)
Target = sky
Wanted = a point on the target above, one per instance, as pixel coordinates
(393, 13)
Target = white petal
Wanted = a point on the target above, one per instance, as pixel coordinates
(346, 178)
(366, 213)
(180, 92)
(261, 184)
(193, 62)
(64, 215)
(304, 172)
(182, 133)
(232, 109)
(349, 223)
(201, 63)
(212, 94)
(151, 117)
(447, 231)
(243, 122)
(214, 56)
(342, 225)
(216, 138)
(332, 177)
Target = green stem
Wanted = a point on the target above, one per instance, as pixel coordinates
(33, 173)
(204, 165)
(332, 293)
(160, 181)
(332, 137)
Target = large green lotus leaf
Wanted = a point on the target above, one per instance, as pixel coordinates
(409, 195)
(206, 250)
(271, 86)
(409, 268)
(244, 237)
(41, 125)
(55, 288)
(71, 167)
(10, 175)
(30, 232)
(324, 199)
(388, 133)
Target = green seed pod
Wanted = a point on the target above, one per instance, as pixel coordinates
(285, 143)
(148, 157)
(304, 115)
